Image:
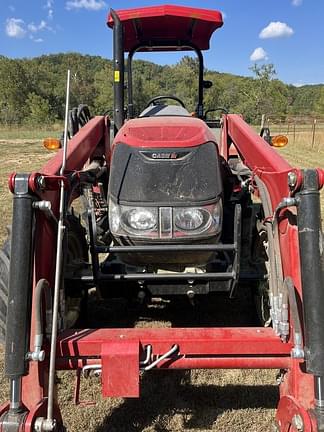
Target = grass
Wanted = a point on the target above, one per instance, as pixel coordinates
(304, 138)
(19, 155)
(36, 133)
(196, 401)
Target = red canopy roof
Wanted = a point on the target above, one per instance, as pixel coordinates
(177, 25)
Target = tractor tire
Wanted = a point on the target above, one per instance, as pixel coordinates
(77, 243)
(77, 250)
(77, 255)
(4, 282)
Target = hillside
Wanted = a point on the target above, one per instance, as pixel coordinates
(32, 91)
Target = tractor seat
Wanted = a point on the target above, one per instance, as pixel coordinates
(164, 110)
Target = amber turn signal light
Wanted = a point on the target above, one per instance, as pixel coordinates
(279, 141)
(52, 143)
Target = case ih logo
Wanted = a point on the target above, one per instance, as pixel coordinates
(164, 155)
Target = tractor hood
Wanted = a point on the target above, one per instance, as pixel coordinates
(187, 176)
(163, 132)
(165, 161)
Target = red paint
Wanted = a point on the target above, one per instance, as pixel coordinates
(76, 393)
(120, 368)
(80, 147)
(194, 341)
(163, 132)
(227, 363)
(299, 180)
(118, 351)
(237, 362)
(11, 182)
(320, 173)
(256, 154)
(51, 182)
(168, 23)
(287, 408)
(260, 157)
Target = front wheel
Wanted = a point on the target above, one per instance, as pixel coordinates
(4, 283)
(77, 252)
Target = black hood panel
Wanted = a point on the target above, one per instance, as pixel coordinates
(165, 176)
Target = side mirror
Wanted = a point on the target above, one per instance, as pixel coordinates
(207, 84)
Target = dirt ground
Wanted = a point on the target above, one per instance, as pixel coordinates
(196, 401)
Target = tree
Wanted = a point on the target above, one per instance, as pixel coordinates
(264, 73)
(38, 110)
(268, 95)
(319, 106)
(41, 82)
(14, 88)
(104, 91)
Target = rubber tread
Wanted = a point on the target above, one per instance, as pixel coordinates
(4, 280)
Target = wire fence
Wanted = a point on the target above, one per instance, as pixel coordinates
(306, 130)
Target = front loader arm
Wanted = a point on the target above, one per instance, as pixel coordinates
(34, 237)
(291, 202)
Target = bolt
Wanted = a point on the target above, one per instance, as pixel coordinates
(297, 352)
(41, 182)
(297, 423)
(191, 293)
(141, 295)
(44, 425)
(37, 355)
(292, 179)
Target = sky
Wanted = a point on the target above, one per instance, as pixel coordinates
(287, 33)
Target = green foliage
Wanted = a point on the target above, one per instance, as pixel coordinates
(103, 90)
(38, 110)
(14, 89)
(264, 73)
(32, 91)
(320, 101)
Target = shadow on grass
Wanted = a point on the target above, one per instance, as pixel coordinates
(169, 401)
(169, 393)
(212, 310)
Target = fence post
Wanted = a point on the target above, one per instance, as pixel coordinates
(262, 121)
(313, 132)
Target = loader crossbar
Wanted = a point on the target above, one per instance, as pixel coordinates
(196, 348)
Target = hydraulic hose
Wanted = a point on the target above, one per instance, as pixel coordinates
(266, 203)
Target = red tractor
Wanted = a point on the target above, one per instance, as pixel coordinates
(176, 206)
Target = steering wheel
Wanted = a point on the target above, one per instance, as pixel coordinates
(157, 98)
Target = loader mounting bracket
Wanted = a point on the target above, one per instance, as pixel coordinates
(292, 416)
(13, 420)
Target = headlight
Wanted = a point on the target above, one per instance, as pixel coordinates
(140, 219)
(165, 222)
(191, 219)
(133, 221)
